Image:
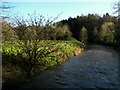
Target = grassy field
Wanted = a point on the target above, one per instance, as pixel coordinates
(14, 59)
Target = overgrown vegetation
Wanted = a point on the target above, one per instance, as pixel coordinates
(16, 63)
(117, 36)
(34, 44)
(117, 27)
(94, 29)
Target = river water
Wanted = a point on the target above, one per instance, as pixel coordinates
(96, 67)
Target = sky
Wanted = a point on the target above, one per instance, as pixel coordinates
(65, 9)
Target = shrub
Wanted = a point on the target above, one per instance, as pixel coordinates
(107, 33)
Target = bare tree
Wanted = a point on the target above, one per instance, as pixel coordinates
(117, 26)
(31, 32)
(5, 6)
(117, 8)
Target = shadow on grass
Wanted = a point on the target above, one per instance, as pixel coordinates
(14, 69)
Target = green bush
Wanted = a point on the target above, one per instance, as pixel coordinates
(60, 32)
(107, 33)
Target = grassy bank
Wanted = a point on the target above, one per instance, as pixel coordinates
(15, 64)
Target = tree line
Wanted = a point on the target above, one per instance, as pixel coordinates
(87, 29)
(94, 28)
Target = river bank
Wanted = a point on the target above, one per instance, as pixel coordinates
(95, 68)
(15, 69)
